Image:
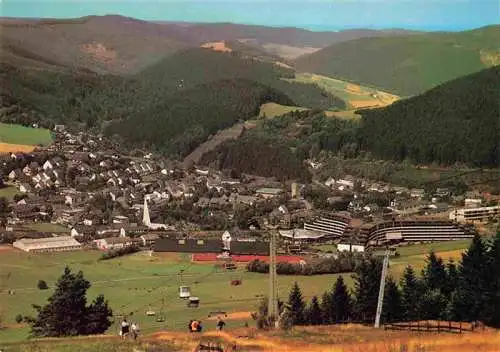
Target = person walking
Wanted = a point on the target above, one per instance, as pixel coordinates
(220, 324)
(124, 328)
(135, 330)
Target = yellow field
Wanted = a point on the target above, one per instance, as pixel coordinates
(16, 148)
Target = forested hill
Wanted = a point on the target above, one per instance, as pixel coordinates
(455, 122)
(178, 124)
(407, 64)
(187, 69)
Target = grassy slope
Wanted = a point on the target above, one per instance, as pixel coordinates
(17, 134)
(352, 94)
(133, 283)
(406, 65)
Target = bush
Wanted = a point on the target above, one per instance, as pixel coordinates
(19, 318)
(119, 252)
(42, 285)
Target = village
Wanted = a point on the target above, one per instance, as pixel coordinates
(83, 192)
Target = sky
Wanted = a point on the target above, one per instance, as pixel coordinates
(450, 15)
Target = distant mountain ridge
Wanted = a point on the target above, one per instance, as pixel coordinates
(123, 45)
(407, 64)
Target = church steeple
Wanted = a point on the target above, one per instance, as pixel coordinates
(145, 216)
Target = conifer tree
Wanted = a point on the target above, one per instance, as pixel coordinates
(492, 304)
(296, 305)
(327, 307)
(469, 298)
(97, 318)
(341, 302)
(67, 314)
(410, 294)
(392, 308)
(434, 273)
(451, 279)
(366, 287)
(314, 314)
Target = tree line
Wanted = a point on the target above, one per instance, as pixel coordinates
(343, 263)
(467, 291)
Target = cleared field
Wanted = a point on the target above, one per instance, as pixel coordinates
(16, 148)
(271, 110)
(20, 135)
(355, 95)
(136, 283)
(8, 192)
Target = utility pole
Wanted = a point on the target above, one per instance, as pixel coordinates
(272, 305)
(382, 288)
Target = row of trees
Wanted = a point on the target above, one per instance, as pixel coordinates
(344, 263)
(469, 291)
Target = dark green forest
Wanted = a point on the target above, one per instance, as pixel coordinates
(260, 154)
(181, 122)
(172, 106)
(455, 122)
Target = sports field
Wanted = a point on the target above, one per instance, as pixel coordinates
(136, 283)
(15, 138)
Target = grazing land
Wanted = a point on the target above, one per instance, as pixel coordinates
(354, 95)
(272, 109)
(17, 134)
(139, 282)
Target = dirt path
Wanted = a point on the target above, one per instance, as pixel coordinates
(232, 132)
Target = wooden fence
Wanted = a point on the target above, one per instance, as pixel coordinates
(435, 326)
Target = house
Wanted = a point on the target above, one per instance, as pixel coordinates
(112, 243)
(348, 247)
(330, 182)
(345, 183)
(417, 193)
(149, 239)
(268, 192)
(47, 165)
(24, 188)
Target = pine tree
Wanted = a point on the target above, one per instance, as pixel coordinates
(451, 279)
(98, 314)
(392, 308)
(492, 309)
(410, 294)
(434, 285)
(327, 307)
(314, 314)
(297, 305)
(341, 302)
(66, 313)
(366, 287)
(434, 274)
(469, 298)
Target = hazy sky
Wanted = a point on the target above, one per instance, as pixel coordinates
(312, 14)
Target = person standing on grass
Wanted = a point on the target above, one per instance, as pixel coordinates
(124, 328)
(135, 330)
